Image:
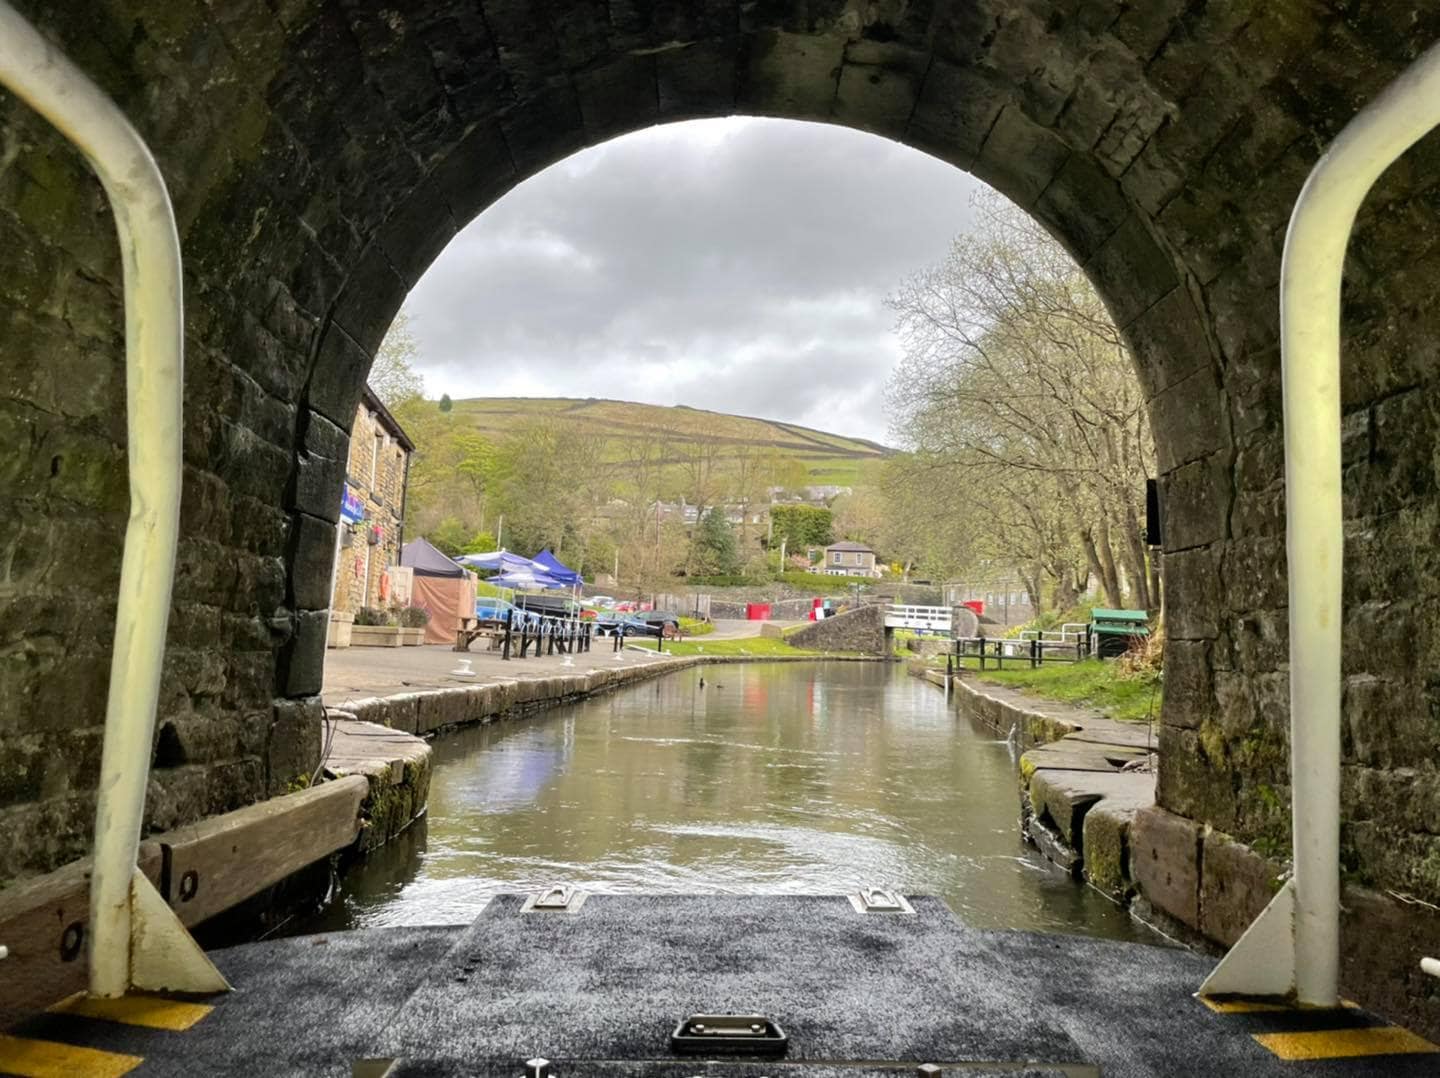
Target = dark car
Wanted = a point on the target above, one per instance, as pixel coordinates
(610, 624)
(662, 621)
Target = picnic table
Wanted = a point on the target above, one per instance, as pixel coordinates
(471, 629)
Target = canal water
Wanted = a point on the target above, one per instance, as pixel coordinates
(780, 778)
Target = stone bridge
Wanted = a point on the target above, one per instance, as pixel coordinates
(321, 153)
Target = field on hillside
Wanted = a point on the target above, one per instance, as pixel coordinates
(825, 457)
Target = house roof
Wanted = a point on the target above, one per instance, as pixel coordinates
(387, 420)
(858, 547)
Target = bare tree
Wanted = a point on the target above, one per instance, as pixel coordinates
(1017, 386)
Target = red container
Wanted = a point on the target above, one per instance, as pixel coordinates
(757, 611)
(977, 605)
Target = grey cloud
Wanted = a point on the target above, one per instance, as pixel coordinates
(738, 265)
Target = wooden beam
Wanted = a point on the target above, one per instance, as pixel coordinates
(44, 923)
(216, 863)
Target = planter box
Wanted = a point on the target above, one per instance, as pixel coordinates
(412, 637)
(340, 626)
(375, 636)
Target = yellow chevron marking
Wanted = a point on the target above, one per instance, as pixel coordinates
(1345, 1043)
(152, 1012)
(46, 1059)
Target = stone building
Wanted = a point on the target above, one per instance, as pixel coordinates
(850, 559)
(1006, 598)
(372, 511)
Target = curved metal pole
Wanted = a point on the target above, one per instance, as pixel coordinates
(1310, 276)
(1310, 280)
(150, 252)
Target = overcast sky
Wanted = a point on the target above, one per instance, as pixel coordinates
(739, 265)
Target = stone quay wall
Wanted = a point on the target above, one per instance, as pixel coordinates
(861, 630)
(1183, 876)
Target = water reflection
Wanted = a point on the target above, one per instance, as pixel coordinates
(781, 778)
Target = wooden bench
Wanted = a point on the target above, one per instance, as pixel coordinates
(472, 629)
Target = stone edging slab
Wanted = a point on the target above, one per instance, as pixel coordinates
(1078, 801)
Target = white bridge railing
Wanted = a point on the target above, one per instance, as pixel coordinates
(933, 618)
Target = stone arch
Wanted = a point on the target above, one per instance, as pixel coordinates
(322, 152)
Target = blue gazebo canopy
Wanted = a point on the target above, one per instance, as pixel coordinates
(523, 579)
(501, 560)
(555, 568)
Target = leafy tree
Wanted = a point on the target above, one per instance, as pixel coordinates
(801, 526)
(471, 458)
(552, 477)
(428, 495)
(714, 546)
(480, 543)
(450, 537)
(393, 376)
(446, 403)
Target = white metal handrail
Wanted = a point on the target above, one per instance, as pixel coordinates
(1072, 632)
(1293, 948)
(131, 940)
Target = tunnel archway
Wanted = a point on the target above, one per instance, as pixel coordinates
(322, 153)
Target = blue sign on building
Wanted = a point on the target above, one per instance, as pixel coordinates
(352, 508)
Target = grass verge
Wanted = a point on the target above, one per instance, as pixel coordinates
(1105, 686)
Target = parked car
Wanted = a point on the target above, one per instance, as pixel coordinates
(610, 624)
(491, 608)
(667, 621)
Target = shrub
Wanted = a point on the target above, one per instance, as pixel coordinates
(828, 585)
(1145, 659)
(727, 580)
(695, 627)
(371, 615)
(414, 617)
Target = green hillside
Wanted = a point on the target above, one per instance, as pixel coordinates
(825, 458)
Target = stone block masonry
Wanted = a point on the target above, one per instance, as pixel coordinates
(861, 631)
